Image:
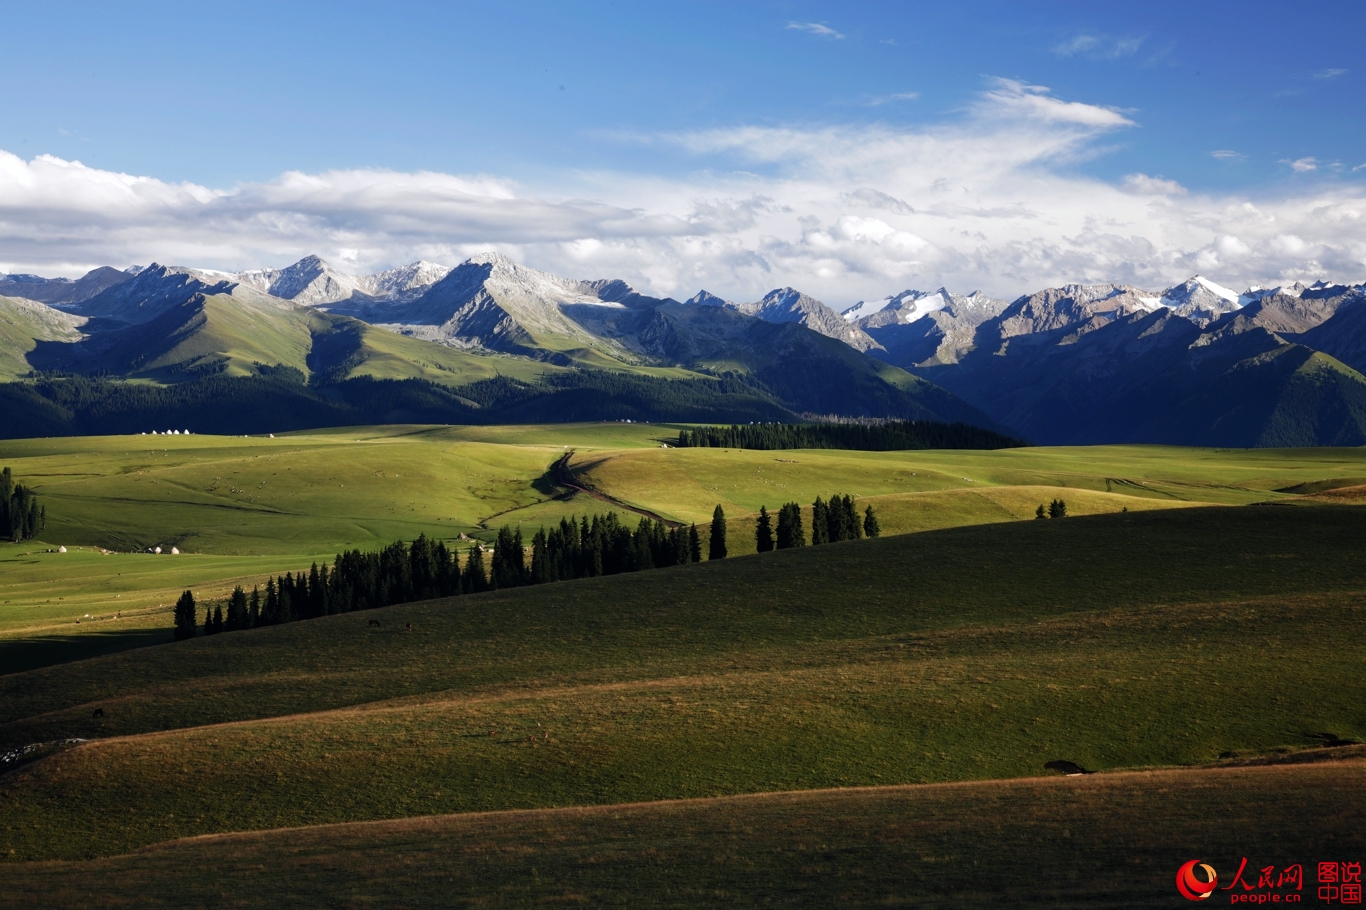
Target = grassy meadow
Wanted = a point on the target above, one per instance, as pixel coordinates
(860, 723)
(285, 502)
(1103, 841)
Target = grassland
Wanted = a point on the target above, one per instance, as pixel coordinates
(911, 659)
(241, 508)
(1102, 841)
(859, 723)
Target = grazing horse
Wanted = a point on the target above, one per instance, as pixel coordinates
(99, 712)
(374, 622)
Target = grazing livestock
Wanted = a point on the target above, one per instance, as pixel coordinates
(374, 622)
(99, 712)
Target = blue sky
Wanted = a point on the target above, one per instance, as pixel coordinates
(664, 114)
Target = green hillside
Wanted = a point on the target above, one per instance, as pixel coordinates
(23, 325)
(1103, 841)
(1112, 641)
(240, 508)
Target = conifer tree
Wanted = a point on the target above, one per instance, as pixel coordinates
(1057, 509)
(694, 544)
(851, 519)
(790, 532)
(820, 523)
(185, 617)
(254, 616)
(237, 610)
(218, 625)
(763, 531)
(271, 609)
(475, 580)
(1039, 513)
(208, 621)
(716, 547)
(870, 525)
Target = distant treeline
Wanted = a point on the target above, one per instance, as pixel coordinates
(425, 569)
(884, 437)
(278, 399)
(20, 515)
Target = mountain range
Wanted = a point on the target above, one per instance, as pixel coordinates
(493, 340)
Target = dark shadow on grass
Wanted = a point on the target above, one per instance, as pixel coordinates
(18, 655)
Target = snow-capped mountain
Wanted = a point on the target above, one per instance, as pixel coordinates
(407, 282)
(919, 328)
(1199, 300)
(313, 282)
(783, 305)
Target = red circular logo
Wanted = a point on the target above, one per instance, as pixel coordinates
(1191, 888)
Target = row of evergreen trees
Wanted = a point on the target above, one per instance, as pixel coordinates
(575, 548)
(20, 515)
(424, 569)
(882, 437)
(831, 522)
(1056, 509)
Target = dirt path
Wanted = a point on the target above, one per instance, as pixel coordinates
(562, 476)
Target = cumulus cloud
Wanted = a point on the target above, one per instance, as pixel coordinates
(815, 28)
(988, 200)
(1302, 165)
(1098, 47)
(1144, 185)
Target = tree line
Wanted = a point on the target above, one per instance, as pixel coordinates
(575, 548)
(831, 522)
(20, 515)
(425, 569)
(882, 437)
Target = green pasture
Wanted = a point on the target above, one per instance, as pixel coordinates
(1104, 841)
(1148, 639)
(240, 508)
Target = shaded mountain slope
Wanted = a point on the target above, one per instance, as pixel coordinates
(1155, 377)
(24, 324)
(56, 291)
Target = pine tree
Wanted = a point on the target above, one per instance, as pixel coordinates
(870, 526)
(820, 522)
(1057, 509)
(475, 580)
(208, 621)
(237, 610)
(185, 617)
(271, 610)
(790, 532)
(763, 531)
(716, 547)
(694, 544)
(853, 527)
(218, 625)
(254, 616)
(1039, 513)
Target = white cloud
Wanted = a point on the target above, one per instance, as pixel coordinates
(879, 100)
(815, 28)
(1144, 185)
(1302, 165)
(1098, 47)
(1227, 155)
(1329, 74)
(844, 213)
(1034, 102)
